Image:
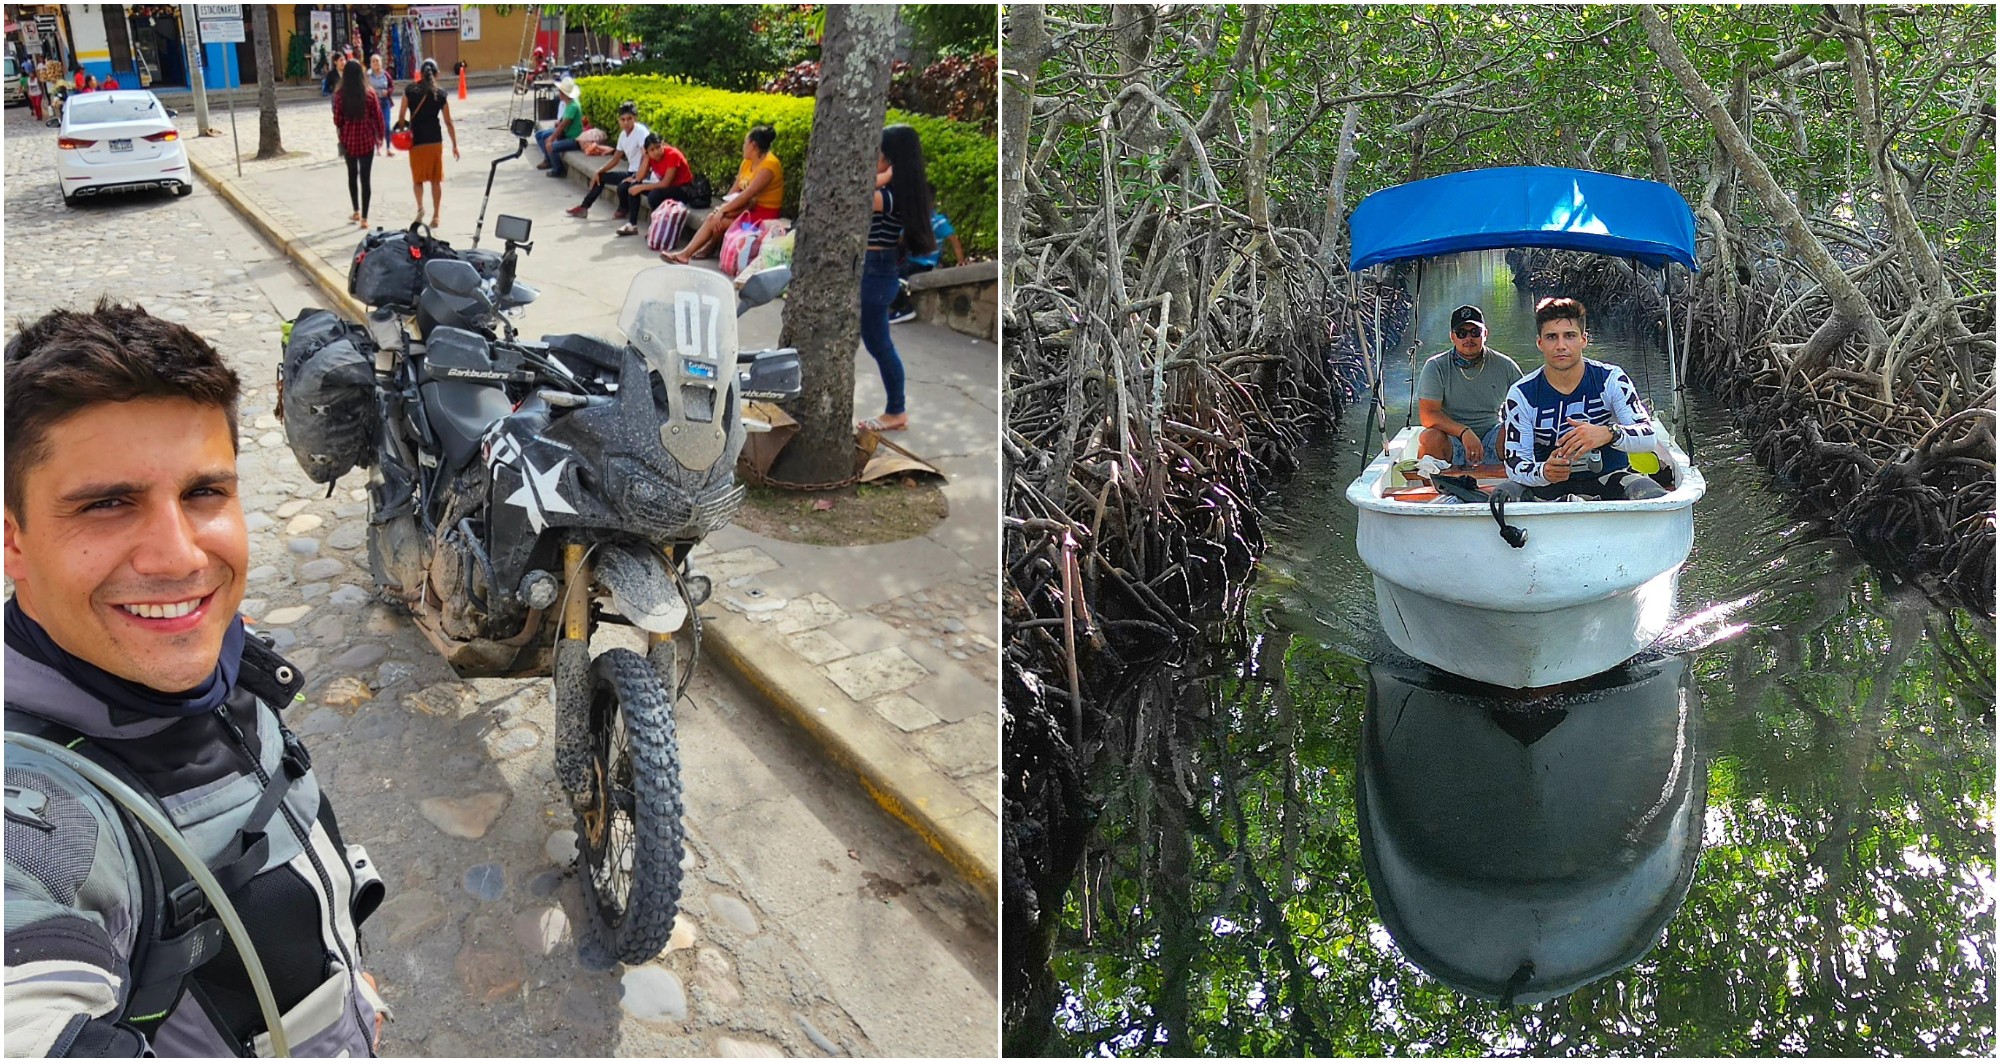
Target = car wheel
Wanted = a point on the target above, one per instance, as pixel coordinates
(68, 199)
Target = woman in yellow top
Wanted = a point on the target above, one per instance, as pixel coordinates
(757, 194)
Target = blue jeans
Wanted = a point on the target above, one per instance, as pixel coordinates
(879, 285)
(552, 150)
(1491, 440)
(388, 105)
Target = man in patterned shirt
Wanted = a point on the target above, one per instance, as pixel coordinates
(1570, 423)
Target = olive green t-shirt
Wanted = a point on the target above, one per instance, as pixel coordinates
(1470, 396)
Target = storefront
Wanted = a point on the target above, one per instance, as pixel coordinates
(35, 31)
(146, 46)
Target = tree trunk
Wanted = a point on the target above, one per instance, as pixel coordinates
(822, 313)
(1649, 111)
(263, 31)
(1333, 228)
(1861, 70)
(1027, 47)
(1851, 308)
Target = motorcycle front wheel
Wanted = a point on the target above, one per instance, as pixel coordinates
(629, 818)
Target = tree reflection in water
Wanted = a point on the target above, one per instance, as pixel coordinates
(1843, 901)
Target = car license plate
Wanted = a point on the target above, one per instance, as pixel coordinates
(121, 145)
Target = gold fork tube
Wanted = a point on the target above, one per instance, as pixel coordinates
(576, 593)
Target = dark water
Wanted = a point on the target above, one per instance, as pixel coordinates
(1773, 836)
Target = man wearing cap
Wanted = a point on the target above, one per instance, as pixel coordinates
(631, 155)
(1459, 392)
(563, 135)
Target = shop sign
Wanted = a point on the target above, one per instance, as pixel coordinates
(435, 16)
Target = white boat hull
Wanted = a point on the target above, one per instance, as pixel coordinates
(1563, 856)
(1594, 584)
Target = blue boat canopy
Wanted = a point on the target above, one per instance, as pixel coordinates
(1524, 206)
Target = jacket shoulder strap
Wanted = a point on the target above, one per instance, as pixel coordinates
(178, 930)
(269, 676)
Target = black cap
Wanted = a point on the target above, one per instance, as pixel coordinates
(1464, 314)
(628, 107)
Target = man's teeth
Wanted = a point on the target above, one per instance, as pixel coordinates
(174, 611)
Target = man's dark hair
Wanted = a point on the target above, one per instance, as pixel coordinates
(1557, 309)
(69, 360)
(763, 136)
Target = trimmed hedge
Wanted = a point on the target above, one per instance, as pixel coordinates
(708, 125)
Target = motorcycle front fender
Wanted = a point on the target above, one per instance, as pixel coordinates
(642, 587)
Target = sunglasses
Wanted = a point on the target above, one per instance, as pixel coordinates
(1467, 331)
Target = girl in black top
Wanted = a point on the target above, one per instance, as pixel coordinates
(424, 105)
(902, 223)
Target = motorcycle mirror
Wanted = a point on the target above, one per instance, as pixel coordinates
(512, 228)
(452, 277)
(522, 127)
(763, 286)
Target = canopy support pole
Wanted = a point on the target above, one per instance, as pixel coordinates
(1416, 315)
(1673, 363)
(1374, 378)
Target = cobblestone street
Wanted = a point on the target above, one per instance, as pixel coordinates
(811, 923)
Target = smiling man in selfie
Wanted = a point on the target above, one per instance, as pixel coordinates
(126, 543)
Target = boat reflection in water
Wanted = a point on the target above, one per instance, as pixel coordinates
(1518, 850)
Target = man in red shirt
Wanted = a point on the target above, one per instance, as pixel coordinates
(666, 175)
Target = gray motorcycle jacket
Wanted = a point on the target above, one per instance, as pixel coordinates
(76, 908)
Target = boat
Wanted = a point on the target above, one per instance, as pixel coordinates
(1588, 584)
(1518, 852)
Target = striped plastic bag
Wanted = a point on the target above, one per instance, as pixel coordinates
(665, 229)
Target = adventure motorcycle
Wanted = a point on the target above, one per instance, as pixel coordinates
(523, 493)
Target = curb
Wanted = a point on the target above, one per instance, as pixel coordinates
(331, 284)
(909, 789)
(905, 786)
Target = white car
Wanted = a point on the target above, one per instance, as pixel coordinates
(119, 141)
(12, 82)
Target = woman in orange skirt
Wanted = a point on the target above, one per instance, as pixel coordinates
(424, 106)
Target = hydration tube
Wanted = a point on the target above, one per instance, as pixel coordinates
(157, 824)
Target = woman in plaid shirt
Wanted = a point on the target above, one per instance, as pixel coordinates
(357, 117)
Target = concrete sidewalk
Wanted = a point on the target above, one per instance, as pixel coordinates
(886, 655)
